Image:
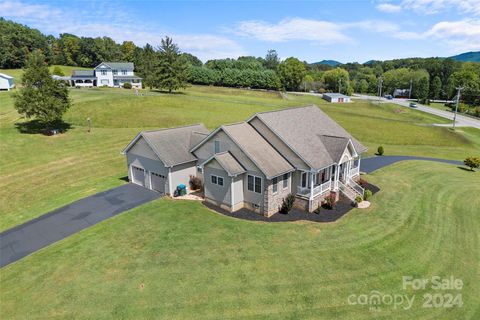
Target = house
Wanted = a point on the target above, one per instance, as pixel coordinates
(253, 164)
(110, 74)
(6, 82)
(336, 97)
(401, 93)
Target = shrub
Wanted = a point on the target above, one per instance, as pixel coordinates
(362, 182)
(380, 151)
(195, 182)
(367, 194)
(472, 162)
(358, 199)
(287, 204)
(329, 202)
(127, 85)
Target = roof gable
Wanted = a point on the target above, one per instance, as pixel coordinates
(304, 129)
(228, 162)
(172, 146)
(115, 65)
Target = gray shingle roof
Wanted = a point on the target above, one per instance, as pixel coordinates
(120, 65)
(304, 129)
(173, 145)
(265, 157)
(335, 146)
(335, 95)
(229, 163)
(83, 73)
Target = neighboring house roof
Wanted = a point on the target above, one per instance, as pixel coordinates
(308, 131)
(83, 73)
(257, 149)
(172, 145)
(335, 95)
(6, 76)
(118, 65)
(228, 162)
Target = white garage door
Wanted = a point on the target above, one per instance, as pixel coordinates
(158, 182)
(138, 176)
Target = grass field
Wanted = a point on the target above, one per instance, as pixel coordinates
(39, 173)
(178, 260)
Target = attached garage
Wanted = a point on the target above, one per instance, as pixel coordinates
(161, 160)
(138, 175)
(159, 182)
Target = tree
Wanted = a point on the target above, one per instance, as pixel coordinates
(436, 87)
(128, 49)
(41, 97)
(58, 71)
(337, 80)
(192, 60)
(472, 162)
(146, 65)
(172, 70)
(271, 60)
(291, 73)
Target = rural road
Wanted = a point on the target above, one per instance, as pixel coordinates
(462, 121)
(22, 240)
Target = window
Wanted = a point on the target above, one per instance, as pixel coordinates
(115, 72)
(275, 185)
(217, 146)
(254, 184)
(103, 72)
(217, 180)
(304, 180)
(199, 169)
(124, 72)
(285, 181)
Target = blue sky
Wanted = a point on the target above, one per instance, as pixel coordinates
(312, 30)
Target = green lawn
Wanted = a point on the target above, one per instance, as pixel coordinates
(17, 73)
(178, 260)
(39, 173)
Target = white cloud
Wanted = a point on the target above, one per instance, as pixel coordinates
(292, 29)
(89, 22)
(462, 35)
(432, 6)
(389, 8)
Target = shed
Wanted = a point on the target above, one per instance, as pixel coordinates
(6, 82)
(336, 97)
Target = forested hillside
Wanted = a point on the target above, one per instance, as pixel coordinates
(429, 78)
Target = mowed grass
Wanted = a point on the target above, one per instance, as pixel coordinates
(178, 260)
(17, 73)
(39, 173)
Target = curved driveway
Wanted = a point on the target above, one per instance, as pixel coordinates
(371, 164)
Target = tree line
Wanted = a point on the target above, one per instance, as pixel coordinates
(165, 67)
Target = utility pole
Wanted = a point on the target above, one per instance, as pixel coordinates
(89, 123)
(340, 85)
(410, 90)
(456, 106)
(380, 83)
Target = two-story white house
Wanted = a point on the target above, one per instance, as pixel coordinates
(110, 74)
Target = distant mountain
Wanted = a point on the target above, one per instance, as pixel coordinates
(331, 63)
(467, 56)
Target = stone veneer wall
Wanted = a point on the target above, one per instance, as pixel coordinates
(272, 202)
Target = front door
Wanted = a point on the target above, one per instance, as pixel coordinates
(343, 169)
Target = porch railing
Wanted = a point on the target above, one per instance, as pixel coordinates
(354, 171)
(318, 189)
(355, 186)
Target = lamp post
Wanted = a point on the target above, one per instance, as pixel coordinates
(410, 90)
(456, 106)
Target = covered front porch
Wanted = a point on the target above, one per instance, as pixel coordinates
(313, 184)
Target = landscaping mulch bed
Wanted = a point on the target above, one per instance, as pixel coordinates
(342, 207)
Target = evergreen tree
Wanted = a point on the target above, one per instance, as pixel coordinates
(172, 70)
(41, 97)
(436, 87)
(271, 60)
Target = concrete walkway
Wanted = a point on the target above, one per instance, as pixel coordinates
(369, 165)
(40, 232)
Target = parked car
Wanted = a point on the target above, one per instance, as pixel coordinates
(413, 105)
(389, 97)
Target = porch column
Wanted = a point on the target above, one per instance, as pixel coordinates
(337, 177)
(311, 186)
(359, 158)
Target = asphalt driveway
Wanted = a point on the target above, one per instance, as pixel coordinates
(35, 234)
(371, 164)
